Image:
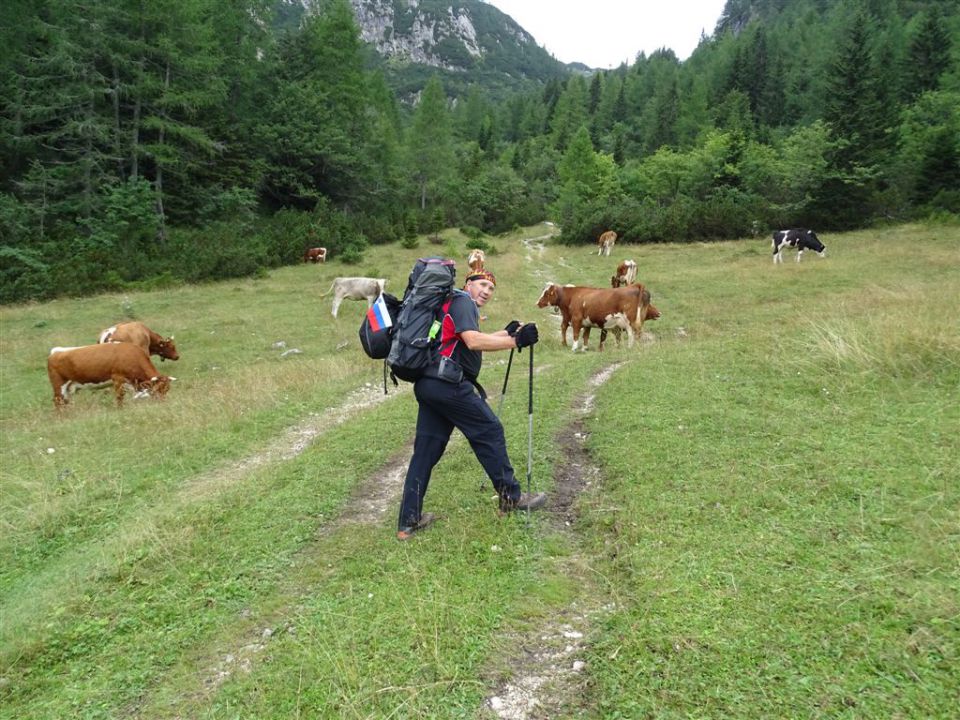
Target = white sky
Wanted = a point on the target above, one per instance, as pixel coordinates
(605, 33)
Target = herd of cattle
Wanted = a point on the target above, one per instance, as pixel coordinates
(122, 353)
(121, 356)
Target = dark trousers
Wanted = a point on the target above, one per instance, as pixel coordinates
(443, 407)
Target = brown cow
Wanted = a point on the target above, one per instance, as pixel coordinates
(120, 362)
(476, 260)
(606, 242)
(141, 336)
(624, 308)
(626, 274)
(315, 255)
(588, 307)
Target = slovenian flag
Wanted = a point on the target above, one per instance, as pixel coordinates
(378, 315)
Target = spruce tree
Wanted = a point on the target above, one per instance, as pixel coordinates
(430, 155)
(852, 110)
(928, 55)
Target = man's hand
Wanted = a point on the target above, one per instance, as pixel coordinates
(527, 335)
(512, 327)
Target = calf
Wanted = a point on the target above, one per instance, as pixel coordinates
(626, 274)
(606, 242)
(651, 314)
(799, 238)
(476, 260)
(142, 336)
(118, 362)
(315, 255)
(354, 288)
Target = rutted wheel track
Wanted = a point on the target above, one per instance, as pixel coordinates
(549, 656)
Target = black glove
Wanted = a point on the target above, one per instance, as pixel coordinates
(527, 335)
(512, 327)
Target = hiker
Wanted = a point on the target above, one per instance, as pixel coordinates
(455, 402)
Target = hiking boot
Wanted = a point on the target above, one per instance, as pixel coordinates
(406, 532)
(526, 502)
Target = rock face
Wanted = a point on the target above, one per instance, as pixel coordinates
(469, 42)
(441, 35)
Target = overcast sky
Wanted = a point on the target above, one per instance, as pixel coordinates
(605, 33)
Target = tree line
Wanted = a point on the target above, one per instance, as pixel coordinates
(186, 140)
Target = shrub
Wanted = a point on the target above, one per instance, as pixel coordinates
(478, 244)
(352, 252)
(23, 275)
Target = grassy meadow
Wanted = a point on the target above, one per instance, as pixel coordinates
(772, 528)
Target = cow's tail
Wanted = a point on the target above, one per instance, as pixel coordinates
(330, 290)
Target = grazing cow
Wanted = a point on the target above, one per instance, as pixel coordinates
(142, 336)
(315, 255)
(799, 238)
(606, 242)
(354, 288)
(120, 362)
(626, 274)
(476, 260)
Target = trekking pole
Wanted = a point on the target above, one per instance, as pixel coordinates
(530, 431)
(505, 378)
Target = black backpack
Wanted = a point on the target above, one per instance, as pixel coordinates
(416, 331)
(409, 344)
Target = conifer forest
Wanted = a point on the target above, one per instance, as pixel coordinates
(171, 141)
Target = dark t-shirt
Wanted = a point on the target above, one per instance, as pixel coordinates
(462, 314)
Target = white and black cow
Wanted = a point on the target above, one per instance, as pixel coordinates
(799, 238)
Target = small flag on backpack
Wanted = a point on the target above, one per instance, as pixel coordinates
(378, 315)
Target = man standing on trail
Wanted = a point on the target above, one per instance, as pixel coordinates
(448, 401)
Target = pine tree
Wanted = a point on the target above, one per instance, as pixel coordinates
(928, 54)
(57, 117)
(570, 113)
(430, 143)
(852, 111)
(318, 130)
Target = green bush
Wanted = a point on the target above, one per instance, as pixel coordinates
(285, 235)
(23, 275)
(215, 252)
(352, 253)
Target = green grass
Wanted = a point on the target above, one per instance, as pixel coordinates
(776, 528)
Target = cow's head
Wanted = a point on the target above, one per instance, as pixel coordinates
(813, 242)
(167, 350)
(549, 296)
(158, 386)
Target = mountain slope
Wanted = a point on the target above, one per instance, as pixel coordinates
(466, 42)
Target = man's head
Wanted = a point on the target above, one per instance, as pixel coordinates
(480, 285)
